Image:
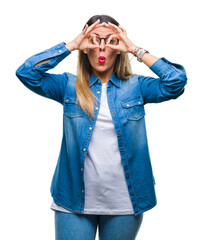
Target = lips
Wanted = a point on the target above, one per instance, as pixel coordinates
(101, 59)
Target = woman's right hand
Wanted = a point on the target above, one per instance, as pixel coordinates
(82, 42)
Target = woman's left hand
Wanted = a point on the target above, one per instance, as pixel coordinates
(125, 45)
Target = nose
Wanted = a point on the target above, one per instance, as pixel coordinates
(102, 44)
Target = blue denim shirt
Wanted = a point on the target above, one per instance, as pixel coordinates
(126, 100)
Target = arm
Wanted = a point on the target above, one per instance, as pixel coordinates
(68, 45)
(32, 73)
(126, 45)
(170, 83)
(149, 59)
(172, 76)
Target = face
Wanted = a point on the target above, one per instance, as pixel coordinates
(100, 66)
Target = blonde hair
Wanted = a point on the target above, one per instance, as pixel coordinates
(122, 69)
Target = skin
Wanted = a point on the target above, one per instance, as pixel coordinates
(105, 70)
(94, 50)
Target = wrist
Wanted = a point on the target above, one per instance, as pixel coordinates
(70, 46)
(132, 49)
(141, 53)
(136, 50)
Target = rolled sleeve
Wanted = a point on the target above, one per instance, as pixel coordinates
(35, 77)
(170, 84)
(58, 53)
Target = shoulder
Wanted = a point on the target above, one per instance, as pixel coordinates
(130, 88)
(70, 83)
(70, 76)
(133, 80)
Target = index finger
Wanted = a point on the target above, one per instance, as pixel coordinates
(91, 27)
(114, 27)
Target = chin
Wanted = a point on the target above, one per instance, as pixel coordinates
(101, 69)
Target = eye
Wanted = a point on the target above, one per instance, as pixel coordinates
(91, 39)
(97, 40)
(113, 41)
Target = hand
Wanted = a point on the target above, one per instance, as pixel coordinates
(125, 45)
(82, 42)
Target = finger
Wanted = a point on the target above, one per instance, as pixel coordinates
(115, 47)
(85, 29)
(122, 28)
(110, 27)
(97, 23)
(95, 27)
(93, 46)
(91, 35)
(116, 28)
(92, 39)
(113, 37)
(92, 26)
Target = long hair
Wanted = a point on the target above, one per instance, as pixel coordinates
(122, 70)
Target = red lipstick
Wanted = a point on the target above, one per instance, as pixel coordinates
(102, 59)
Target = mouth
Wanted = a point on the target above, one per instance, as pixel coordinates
(102, 59)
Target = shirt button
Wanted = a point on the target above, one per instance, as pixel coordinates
(119, 133)
(81, 169)
(84, 149)
(132, 193)
(90, 128)
(83, 190)
(98, 92)
(113, 112)
(109, 94)
(122, 153)
(127, 173)
(67, 100)
(98, 81)
(60, 51)
(96, 108)
(139, 102)
(127, 105)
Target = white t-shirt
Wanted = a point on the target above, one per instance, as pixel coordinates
(106, 190)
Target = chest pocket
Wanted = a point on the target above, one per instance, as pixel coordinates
(71, 107)
(134, 108)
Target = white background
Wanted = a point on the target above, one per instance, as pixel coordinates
(31, 125)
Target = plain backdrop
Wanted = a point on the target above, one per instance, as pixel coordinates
(31, 125)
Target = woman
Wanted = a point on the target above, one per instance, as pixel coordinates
(103, 175)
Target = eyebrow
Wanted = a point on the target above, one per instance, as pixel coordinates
(106, 35)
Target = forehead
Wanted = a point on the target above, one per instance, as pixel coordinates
(103, 31)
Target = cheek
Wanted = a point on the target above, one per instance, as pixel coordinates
(113, 55)
(91, 52)
(92, 56)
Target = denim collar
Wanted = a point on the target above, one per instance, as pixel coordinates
(114, 79)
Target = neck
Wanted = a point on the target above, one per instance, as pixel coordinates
(103, 76)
